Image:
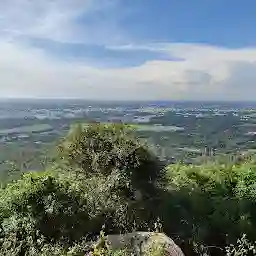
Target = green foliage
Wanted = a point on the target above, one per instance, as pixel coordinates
(45, 210)
(101, 171)
(41, 208)
(155, 249)
(100, 149)
(243, 247)
(56, 210)
(211, 203)
(101, 248)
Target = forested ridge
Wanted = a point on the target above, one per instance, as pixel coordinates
(104, 179)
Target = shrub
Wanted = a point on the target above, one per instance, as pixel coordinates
(95, 183)
(38, 209)
(50, 211)
(243, 247)
(210, 204)
(100, 149)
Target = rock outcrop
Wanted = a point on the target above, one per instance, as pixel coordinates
(142, 243)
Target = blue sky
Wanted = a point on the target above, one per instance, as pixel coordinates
(128, 49)
(219, 22)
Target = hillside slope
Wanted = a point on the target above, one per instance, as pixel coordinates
(94, 185)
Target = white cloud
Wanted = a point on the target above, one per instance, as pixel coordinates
(58, 20)
(205, 72)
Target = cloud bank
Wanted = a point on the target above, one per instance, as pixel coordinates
(192, 72)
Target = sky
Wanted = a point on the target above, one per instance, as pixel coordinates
(128, 49)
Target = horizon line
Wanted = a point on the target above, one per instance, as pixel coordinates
(126, 100)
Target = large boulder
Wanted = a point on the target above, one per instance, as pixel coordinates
(145, 243)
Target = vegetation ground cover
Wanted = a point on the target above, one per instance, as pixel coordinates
(104, 177)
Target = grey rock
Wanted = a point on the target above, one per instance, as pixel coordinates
(140, 243)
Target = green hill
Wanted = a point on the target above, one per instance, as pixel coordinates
(105, 178)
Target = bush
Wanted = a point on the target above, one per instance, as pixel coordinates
(243, 247)
(96, 182)
(41, 208)
(56, 211)
(100, 149)
(210, 204)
